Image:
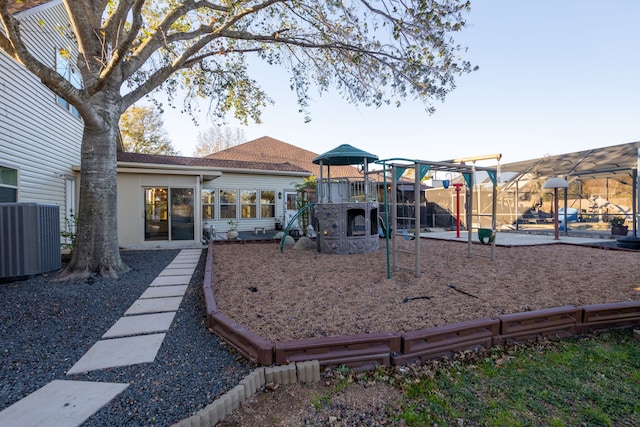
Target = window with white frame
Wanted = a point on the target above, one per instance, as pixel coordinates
(248, 200)
(208, 204)
(66, 70)
(267, 204)
(228, 204)
(8, 185)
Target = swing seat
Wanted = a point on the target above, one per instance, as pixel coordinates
(407, 236)
(486, 235)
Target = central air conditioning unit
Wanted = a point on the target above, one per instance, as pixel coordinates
(29, 239)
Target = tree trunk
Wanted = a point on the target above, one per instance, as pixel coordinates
(96, 246)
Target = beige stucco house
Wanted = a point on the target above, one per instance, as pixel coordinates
(171, 201)
(166, 201)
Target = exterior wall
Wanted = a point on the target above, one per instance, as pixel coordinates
(131, 215)
(237, 181)
(38, 137)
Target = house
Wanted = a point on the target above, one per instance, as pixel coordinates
(163, 201)
(171, 201)
(40, 133)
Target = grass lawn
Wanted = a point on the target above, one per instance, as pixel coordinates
(590, 381)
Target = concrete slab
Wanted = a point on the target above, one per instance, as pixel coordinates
(116, 352)
(512, 239)
(190, 251)
(182, 264)
(188, 257)
(60, 403)
(171, 280)
(141, 324)
(164, 291)
(176, 272)
(154, 305)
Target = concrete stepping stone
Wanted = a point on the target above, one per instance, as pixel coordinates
(60, 403)
(171, 280)
(177, 261)
(164, 291)
(183, 264)
(141, 324)
(176, 272)
(154, 305)
(190, 252)
(116, 352)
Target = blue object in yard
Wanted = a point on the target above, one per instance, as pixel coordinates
(572, 215)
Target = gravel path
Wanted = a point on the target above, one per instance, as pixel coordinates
(47, 326)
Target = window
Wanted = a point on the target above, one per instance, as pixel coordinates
(228, 204)
(8, 185)
(267, 204)
(66, 70)
(248, 200)
(208, 204)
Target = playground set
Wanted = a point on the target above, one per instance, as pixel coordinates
(348, 217)
(351, 214)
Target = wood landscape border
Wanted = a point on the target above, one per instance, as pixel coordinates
(366, 351)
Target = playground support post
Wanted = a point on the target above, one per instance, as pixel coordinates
(458, 185)
(555, 214)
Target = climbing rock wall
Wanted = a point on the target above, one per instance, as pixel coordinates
(347, 228)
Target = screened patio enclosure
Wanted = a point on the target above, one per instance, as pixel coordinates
(603, 183)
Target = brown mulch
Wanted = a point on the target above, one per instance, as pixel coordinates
(301, 294)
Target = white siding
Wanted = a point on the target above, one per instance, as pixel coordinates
(37, 136)
(236, 181)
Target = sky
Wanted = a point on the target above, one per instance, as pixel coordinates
(555, 76)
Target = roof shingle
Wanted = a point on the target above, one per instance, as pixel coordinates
(204, 162)
(267, 149)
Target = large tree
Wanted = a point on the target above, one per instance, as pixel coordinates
(215, 139)
(371, 52)
(142, 132)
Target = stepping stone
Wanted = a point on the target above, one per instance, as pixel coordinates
(176, 272)
(61, 404)
(116, 352)
(188, 257)
(183, 260)
(183, 264)
(141, 324)
(190, 251)
(171, 280)
(164, 291)
(154, 305)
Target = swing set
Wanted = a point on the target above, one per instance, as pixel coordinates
(393, 169)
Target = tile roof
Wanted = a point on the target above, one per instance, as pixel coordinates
(267, 149)
(205, 162)
(15, 6)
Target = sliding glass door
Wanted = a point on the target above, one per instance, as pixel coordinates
(182, 214)
(168, 214)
